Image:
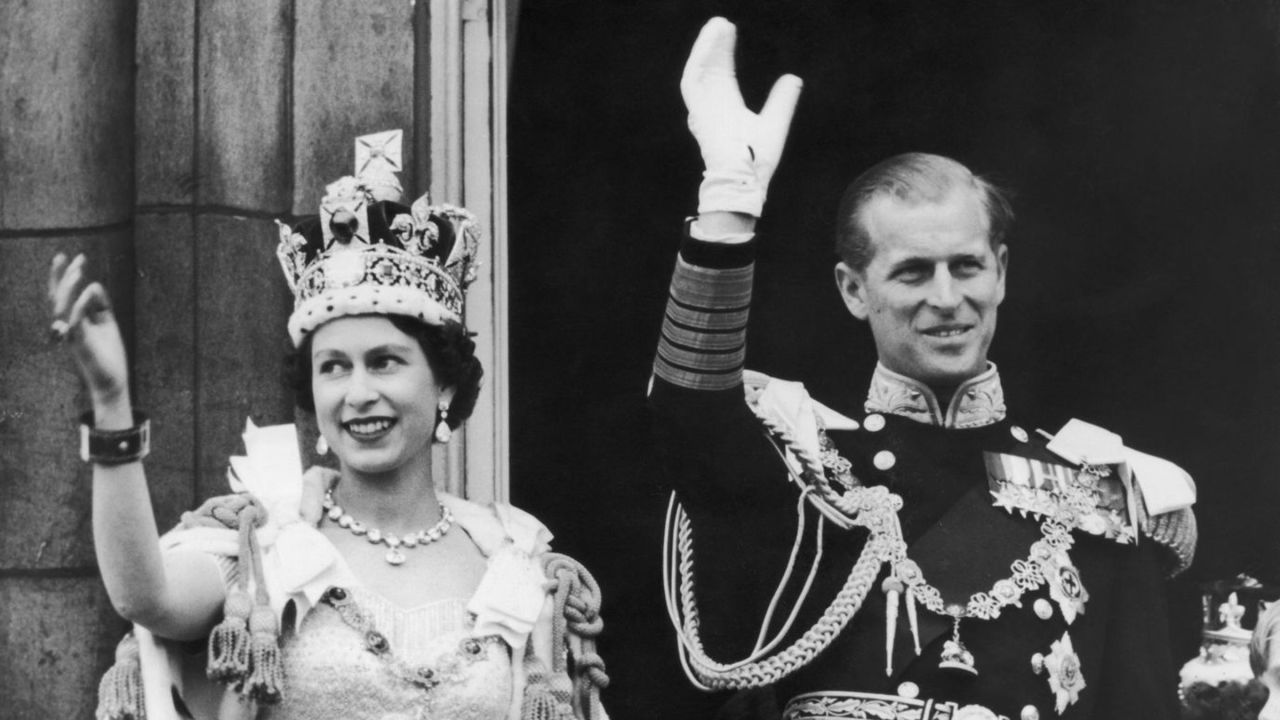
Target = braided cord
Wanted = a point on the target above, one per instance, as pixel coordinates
(874, 508)
(576, 611)
(754, 672)
(1026, 574)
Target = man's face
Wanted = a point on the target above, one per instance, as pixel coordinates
(932, 287)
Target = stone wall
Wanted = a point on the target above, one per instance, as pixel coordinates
(162, 138)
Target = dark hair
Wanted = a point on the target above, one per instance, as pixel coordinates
(912, 178)
(450, 352)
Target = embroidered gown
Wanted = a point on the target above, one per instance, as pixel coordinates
(355, 656)
(436, 667)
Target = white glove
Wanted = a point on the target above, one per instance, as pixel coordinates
(740, 149)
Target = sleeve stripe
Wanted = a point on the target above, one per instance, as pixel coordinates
(697, 362)
(681, 377)
(737, 368)
(703, 308)
(703, 341)
(700, 324)
(671, 342)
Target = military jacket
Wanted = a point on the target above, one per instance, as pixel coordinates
(1091, 641)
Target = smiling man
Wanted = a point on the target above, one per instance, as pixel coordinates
(923, 556)
(923, 262)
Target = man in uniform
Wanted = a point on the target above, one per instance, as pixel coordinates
(926, 557)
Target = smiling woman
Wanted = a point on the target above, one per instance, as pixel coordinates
(376, 398)
(395, 599)
(342, 370)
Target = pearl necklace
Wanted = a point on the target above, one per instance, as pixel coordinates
(395, 555)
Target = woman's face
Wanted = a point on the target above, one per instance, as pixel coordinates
(375, 394)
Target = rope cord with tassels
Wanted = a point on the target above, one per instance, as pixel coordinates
(120, 691)
(244, 648)
(576, 610)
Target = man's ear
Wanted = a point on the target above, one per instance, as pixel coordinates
(853, 289)
(1002, 258)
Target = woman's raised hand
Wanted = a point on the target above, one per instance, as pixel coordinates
(82, 318)
(740, 149)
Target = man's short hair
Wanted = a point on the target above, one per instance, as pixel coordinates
(912, 178)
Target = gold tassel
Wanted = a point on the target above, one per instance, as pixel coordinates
(539, 705)
(542, 700)
(229, 641)
(120, 692)
(267, 671)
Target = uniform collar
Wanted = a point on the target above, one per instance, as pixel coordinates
(978, 401)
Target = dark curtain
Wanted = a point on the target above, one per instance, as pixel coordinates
(1141, 138)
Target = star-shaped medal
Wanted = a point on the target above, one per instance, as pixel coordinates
(1065, 678)
(1065, 586)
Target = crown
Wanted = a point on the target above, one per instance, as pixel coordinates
(366, 253)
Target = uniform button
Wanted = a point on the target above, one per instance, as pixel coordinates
(1044, 610)
(909, 690)
(884, 460)
(1018, 433)
(873, 422)
(1030, 713)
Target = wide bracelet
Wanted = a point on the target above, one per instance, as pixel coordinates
(115, 447)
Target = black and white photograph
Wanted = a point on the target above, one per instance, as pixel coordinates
(589, 359)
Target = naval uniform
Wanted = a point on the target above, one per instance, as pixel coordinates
(1081, 636)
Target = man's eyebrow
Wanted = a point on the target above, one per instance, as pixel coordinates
(909, 263)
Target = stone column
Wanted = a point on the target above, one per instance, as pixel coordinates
(66, 184)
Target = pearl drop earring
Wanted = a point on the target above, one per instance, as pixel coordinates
(443, 431)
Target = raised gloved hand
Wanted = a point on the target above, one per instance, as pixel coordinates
(740, 149)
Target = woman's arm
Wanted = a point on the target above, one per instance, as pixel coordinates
(179, 594)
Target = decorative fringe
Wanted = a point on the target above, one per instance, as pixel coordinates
(266, 675)
(1177, 531)
(120, 692)
(229, 642)
(541, 701)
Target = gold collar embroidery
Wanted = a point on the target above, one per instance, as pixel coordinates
(978, 401)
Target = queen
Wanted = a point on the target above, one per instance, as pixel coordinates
(365, 593)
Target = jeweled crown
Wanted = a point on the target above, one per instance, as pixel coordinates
(366, 253)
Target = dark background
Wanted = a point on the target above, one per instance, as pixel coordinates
(1142, 140)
